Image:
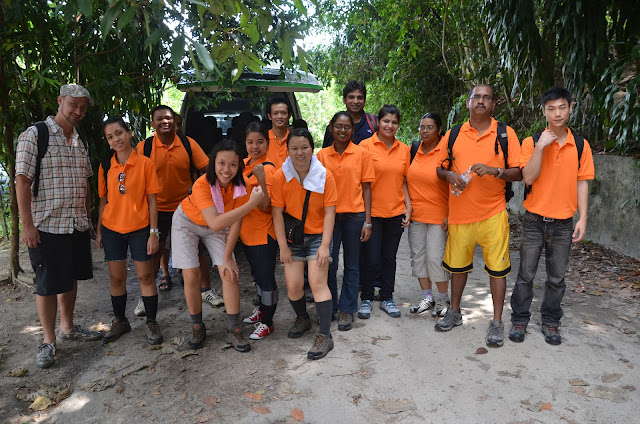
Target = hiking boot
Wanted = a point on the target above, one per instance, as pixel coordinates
(235, 339)
(154, 335)
(261, 331)
(308, 295)
(198, 336)
(365, 310)
(46, 355)
(345, 321)
(139, 311)
(256, 316)
(495, 334)
(211, 297)
(321, 346)
(518, 332)
(551, 334)
(118, 328)
(423, 305)
(441, 308)
(389, 306)
(300, 326)
(79, 333)
(450, 320)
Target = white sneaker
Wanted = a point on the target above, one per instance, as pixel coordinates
(423, 305)
(139, 311)
(212, 298)
(441, 308)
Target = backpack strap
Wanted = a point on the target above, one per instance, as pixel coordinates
(372, 121)
(148, 145)
(502, 138)
(264, 163)
(187, 146)
(453, 134)
(106, 165)
(414, 149)
(43, 145)
(305, 208)
(579, 146)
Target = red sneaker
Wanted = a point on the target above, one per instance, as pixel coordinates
(256, 316)
(261, 331)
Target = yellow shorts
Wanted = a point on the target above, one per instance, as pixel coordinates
(492, 235)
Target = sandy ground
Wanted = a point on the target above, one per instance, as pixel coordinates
(384, 370)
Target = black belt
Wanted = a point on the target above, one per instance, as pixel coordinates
(547, 219)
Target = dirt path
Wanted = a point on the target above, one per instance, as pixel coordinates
(383, 370)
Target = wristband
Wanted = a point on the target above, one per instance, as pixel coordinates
(155, 231)
(369, 226)
(500, 172)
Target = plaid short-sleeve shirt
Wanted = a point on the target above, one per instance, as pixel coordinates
(64, 171)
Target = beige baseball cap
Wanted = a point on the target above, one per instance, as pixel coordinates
(76, 90)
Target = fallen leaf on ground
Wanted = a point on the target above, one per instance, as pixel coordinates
(578, 382)
(297, 414)
(624, 318)
(545, 407)
(481, 351)
(98, 385)
(261, 409)
(253, 396)
(589, 322)
(40, 404)
(579, 391)
(203, 418)
(212, 401)
(18, 372)
(393, 406)
(613, 394)
(610, 377)
(630, 388)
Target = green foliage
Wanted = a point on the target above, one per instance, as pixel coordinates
(318, 109)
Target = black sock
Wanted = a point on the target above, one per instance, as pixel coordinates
(233, 321)
(300, 307)
(119, 304)
(205, 289)
(267, 314)
(196, 318)
(150, 306)
(324, 310)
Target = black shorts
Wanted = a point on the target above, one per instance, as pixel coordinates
(164, 225)
(59, 260)
(116, 245)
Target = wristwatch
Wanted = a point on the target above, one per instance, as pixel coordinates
(155, 231)
(500, 171)
(369, 226)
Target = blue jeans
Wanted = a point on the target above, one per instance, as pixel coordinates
(555, 237)
(382, 248)
(346, 231)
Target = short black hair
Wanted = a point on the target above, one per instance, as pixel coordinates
(115, 120)
(389, 110)
(300, 132)
(339, 114)
(493, 92)
(299, 123)
(162, 107)
(259, 127)
(274, 100)
(224, 145)
(555, 93)
(353, 86)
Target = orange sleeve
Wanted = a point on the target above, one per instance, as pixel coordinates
(277, 192)
(151, 178)
(269, 172)
(587, 169)
(330, 192)
(200, 158)
(102, 184)
(526, 151)
(201, 194)
(140, 148)
(407, 161)
(444, 142)
(514, 148)
(368, 173)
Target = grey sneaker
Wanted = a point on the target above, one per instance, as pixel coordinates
(345, 321)
(139, 311)
(441, 308)
(79, 333)
(300, 326)
(365, 309)
(423, 305)
(46, 354)
(518, 332)
(389, 306)
(495, 334)
(236, 339)
(451, 319)
(154, 335)
(321, 346)
(211, 297)
(118, 328)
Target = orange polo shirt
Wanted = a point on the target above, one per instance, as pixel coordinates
(350, 170)
(554, 193)
(390, 166)
(290, 196)
(173, 169)
(257, 224)
(128, 212)
(200, 199)
(484, 196)
(429, 194)
(277, 152)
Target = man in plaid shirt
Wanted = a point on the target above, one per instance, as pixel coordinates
(56, 224)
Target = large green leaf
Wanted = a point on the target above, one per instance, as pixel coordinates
(204, 56)
(177, 51)
(86, 7)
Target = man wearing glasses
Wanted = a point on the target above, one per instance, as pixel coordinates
(477, 210)
(56, 223)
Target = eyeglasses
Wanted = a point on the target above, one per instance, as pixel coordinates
(342, 127)
(486, 97)
(428, 127)
(121, 188)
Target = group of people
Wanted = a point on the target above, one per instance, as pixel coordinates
(359, 192)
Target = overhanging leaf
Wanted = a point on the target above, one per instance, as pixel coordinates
(204, 56)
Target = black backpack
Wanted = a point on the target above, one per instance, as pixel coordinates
(43, 145)
(414, 149)
(502, 140)
(579, 147)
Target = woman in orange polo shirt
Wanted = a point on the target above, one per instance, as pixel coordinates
(128, 218)
(212, 213)
(352, 168)
(390, 210)
(257, 232)
(301, 177)
(428, 228)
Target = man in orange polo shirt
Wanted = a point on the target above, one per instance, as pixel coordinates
(478, 214)
(279, 112)
(558, 176)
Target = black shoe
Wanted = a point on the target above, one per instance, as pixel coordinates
(551, 334)
(119, 326)
(299, 327)
(518, 332)
(154, 335)
(198, 337)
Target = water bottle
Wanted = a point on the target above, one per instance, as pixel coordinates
(466, 176)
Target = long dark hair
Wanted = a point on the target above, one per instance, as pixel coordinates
(224, 145)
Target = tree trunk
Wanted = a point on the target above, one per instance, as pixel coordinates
(5, 229)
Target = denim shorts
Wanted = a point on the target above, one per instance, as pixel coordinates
(115, 245)
(308, 249)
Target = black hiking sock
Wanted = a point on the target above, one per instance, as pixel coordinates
(196, 318)
(119, 304)
(324, 310)
(150, 306)
(233, 321)
(300, 307)
(267, 314)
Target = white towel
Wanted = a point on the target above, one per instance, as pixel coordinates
(314, 180)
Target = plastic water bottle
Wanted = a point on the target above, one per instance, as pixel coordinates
(466, 176)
